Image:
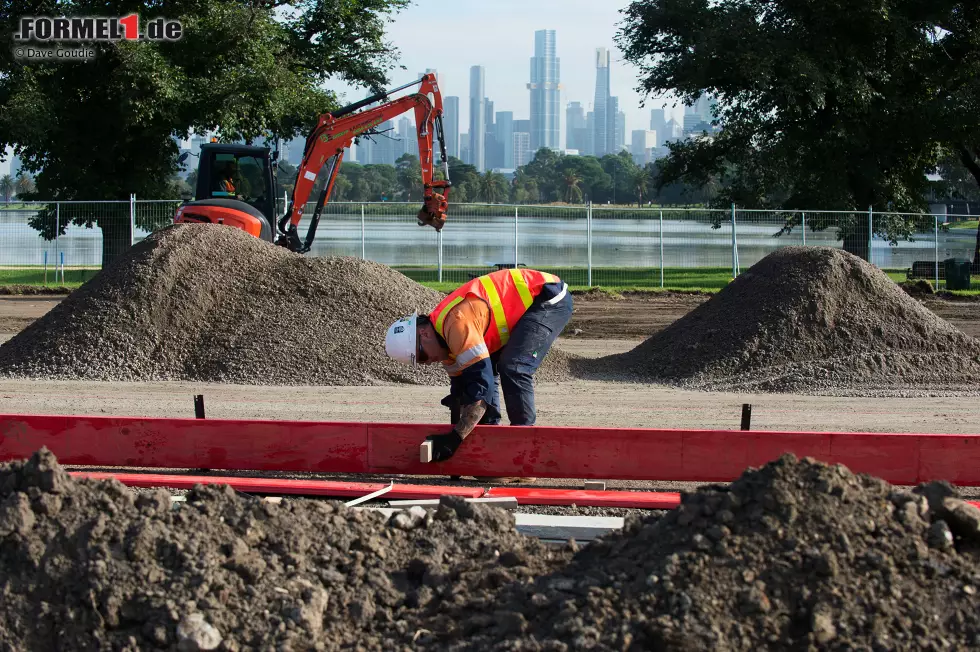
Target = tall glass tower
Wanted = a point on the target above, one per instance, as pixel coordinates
(604, 124)
(478, 128)
(545, 92)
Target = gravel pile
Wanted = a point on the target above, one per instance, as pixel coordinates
(212, 304)
(801, 320)
(795, 555)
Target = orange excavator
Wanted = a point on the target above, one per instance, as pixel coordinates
(236, 183)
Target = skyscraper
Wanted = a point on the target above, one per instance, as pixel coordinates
(408, 142)
(478, 130)
(658, 123)
(604, 124)
(643, 144)
(505, 137)
(450, 125)
(522, 149)
(619, 139)
(590, 134)
(575, 136)
(545, 91)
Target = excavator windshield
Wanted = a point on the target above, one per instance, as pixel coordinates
(242, 177)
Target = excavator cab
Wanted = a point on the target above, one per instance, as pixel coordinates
(235, 187)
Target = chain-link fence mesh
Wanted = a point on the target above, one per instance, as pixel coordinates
(585, 245)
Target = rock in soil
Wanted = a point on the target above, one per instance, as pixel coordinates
(212, 304)
(796, 555)
(805, 319)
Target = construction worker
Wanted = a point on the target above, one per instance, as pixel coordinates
(503, 323)
(226, 178)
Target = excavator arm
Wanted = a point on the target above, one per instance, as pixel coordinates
(334, 133)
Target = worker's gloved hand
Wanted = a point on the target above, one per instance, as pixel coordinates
(444, 446)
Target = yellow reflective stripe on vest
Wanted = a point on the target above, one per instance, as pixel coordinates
(522, 289)
(496, 307)
(550, 278)
(441, 317)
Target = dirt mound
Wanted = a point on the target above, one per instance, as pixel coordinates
(91, 565)
(212, 304)
(802, 319)
(794, 556)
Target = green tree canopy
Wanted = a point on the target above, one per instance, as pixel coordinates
(104, 128)
(831, 104)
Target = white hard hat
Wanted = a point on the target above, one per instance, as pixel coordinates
(400, 342)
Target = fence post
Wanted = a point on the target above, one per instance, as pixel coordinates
(515, 238)
(661, 249)
(871, 231)
(439, 235)
(132, 219)
(588, 237)
(363, 256)
(734, 246)
(803, 228)
(57, 230)
(936, 249)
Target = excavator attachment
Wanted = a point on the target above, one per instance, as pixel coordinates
(433, 213)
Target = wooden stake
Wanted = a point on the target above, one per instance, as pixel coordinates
(425, 452)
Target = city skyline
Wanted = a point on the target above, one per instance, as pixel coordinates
(580, 27)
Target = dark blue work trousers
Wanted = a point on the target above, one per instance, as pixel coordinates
(517, 361)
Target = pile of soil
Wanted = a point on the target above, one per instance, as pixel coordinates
(213, 304)
(806, 319)
(91, 565)
(797, 555)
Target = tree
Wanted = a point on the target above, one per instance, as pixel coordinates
(573, 194)
(409, 176)
(806, 124)
(102, 129)
(492, 186)
(640, 178)
(6, 187)
(24, 185)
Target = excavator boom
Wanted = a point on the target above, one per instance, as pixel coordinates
(334, 133)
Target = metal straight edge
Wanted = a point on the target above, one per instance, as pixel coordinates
(803, 228)
(363, 250)
(371, 496)
(936, 248)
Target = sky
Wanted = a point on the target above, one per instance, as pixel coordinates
(499, 35)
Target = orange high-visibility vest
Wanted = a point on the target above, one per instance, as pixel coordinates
(508, 292)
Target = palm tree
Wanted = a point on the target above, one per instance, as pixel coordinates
(491, 186)
(24, 184)
(6, 187)
(572, 191)
(640, 179)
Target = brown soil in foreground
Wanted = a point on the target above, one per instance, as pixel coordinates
(805, 319)
(796, 555)
(195, 302)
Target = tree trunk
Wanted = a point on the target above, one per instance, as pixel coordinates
(116, 237)
(966, 156)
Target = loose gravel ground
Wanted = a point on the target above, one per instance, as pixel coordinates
(805, 320)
